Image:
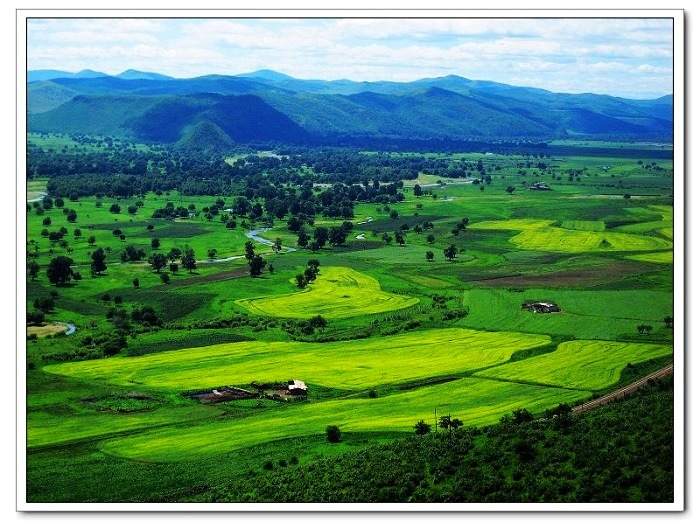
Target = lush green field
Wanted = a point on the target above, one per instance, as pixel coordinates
(355, 365)
(581, 364)
(408, 333)
(337, 292)
(476, 402)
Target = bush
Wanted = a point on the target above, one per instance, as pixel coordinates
(333, 434)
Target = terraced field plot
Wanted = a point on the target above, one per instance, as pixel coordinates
(585, 314)
(358, 364)
(579, 364)
(475, 402)
(536, 234)
(338, 292)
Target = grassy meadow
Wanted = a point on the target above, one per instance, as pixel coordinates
(406, 332)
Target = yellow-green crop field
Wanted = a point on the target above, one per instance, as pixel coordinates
(476, 402)
(654, 257)
(338, 292)
(579, 364)
(541, 235)
(352, 365)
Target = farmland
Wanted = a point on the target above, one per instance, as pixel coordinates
(408, 307)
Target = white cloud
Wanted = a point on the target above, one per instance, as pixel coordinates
(556, 54)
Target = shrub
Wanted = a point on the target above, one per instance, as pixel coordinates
(333, 434)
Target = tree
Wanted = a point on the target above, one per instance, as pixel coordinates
(189, 261)
(249, 250)
(321, 236)
(77, 233)
(257, 265)
(303, 239)
(115, 208)
(35, 317)
(429, 255)
(155, 243)
(46, 221)
(98, 262)
(173, 268)
(393, 214)
(157, 261)
(398, 236)
(337, 235)
(417, 191)
(387, 238)
(277, 246)
(301, 280)
(668, 321)
(174, 254)
(91, 240)
(451, 252)
(132, 210)
(333, 433)
(510, 190)
(449, 424)
(136, 282)
(164, 277)
(72, 216)
(211, 253)
(59, 270)
(431, 238)
(32, 270)
(422, 427)
(44, 304)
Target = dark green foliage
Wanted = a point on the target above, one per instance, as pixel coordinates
(422, 427)
(158, 261)
(257, 265)
(98, 264)
(35, 317)
(59, 270)
(33, 270)
(132, 253)
(44, 304)
(189, 261)
(622, 452)
(450, 252)
(147, 316)
(333, 434)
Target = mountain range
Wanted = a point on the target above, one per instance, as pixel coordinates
(267, 106)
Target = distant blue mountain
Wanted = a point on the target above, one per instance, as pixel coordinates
(162, 108)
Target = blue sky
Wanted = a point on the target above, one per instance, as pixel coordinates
(622, 57)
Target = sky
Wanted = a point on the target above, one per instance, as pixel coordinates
(621, 57)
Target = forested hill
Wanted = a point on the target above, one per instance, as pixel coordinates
(267, 106)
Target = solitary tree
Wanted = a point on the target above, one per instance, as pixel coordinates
(333, 433)
(115, 208)
(59, 270)
(303, 239)
(155, 243)
(277, 246)
(451, 252)
(211, 253)
(157, 261)
(421, 427)
(398, 236)
(91, 240)
(174, 254)
(257, 265)
(510, 190)
(136, 282)
(429, 255)
(431, 238)
(301, 280)
(98, 262)
(321, 236)
(189, 261)
(77, 233)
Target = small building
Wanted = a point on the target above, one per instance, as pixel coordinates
(297, 387)
(540, 186)
(541, 307)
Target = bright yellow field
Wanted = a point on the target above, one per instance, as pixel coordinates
(338, 292)
(579, 364)
(357, 364)
(538, 234)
